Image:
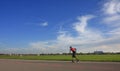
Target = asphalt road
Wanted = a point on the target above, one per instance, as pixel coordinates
(36, 65)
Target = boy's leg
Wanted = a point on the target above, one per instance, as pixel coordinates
(73, 57)
(76, 58)
(73, 60)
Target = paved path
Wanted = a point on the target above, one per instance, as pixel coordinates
(36, 65)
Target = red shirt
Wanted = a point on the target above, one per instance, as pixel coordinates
(73, 49)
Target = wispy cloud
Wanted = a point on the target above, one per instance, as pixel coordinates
(111, 11)
(44, 24)
(112, 7)
(115, 32)
(81, 25)
(105, 48)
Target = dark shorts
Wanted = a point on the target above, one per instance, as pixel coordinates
(74, 54)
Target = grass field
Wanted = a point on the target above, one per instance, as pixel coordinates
(105, 58)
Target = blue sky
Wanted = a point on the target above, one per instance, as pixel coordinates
(37, 26)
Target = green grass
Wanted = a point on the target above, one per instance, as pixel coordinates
(43, 57)
(105, 58)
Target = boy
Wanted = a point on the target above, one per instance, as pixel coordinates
(73, 54)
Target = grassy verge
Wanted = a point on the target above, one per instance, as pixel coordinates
(105, 58)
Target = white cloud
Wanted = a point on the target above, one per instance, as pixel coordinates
(105, 48)
(115, 32)
(85, 33)
(112, 19)
(111, 10)
(81, 25)
(112, 7)
(44, 24)
(112, 16)
(109, 48)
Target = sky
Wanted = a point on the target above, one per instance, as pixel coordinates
(51, 26)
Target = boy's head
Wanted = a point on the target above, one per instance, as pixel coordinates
(70, 46)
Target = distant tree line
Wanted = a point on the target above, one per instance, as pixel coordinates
(94, 53)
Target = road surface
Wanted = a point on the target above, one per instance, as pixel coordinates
(38, 65)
